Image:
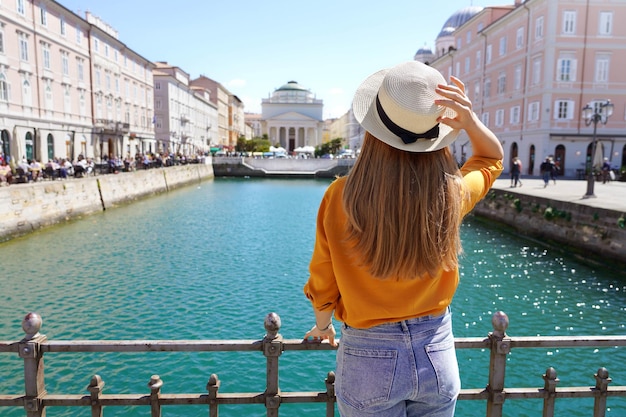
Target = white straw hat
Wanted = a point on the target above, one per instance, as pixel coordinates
(397, 106)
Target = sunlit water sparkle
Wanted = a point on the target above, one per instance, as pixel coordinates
(210, 261)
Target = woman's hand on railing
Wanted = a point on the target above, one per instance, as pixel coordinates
(318, 335)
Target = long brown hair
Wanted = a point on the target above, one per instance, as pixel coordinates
(404, 211)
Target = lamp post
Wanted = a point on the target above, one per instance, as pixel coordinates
(599, 112)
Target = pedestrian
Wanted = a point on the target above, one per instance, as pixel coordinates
(554, 170)
(546, 171)
(606, 169)
(385, 259)
(516, 170)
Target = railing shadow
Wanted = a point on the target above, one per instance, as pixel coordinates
(36, 399)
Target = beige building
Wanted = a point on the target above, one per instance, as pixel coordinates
(185, 117)
(292, 117)
(220, 97)
(68, 86)
(122, 95)
(530, 69)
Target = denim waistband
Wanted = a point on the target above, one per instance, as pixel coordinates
(420, 319)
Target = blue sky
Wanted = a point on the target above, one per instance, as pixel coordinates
(252, 47)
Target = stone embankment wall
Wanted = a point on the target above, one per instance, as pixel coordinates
(27, 207)
(595, 235)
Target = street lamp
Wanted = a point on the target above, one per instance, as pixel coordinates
(599, 112)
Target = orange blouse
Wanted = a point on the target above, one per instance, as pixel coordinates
(363, 301)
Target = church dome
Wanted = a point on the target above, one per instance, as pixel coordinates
(458, 19)
(292, 85)
(292, 92)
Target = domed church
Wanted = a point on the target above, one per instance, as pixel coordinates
(445, 39)
(292, 117)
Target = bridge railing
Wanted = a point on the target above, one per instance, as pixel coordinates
(35, 399)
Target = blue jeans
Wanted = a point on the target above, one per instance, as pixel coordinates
(408, 368)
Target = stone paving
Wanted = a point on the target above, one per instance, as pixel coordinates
(611, 196)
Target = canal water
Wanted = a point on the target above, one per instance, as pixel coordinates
(210, 261)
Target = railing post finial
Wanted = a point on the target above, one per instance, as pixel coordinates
(272, 325)
(31, 325)
(500, 322)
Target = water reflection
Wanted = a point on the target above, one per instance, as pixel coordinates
(209, 262)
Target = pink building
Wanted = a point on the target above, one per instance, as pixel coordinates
(68, 86)
(530, 69)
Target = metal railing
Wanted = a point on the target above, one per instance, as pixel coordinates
(36, 399)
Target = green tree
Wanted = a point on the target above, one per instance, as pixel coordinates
(332, 147)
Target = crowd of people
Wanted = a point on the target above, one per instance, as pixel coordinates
(32, 170)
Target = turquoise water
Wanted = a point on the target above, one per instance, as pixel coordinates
(210, 261)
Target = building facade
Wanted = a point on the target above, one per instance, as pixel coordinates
(532, 67)
(68, 86)
(292, 117)
(185, 117)
(220, 97)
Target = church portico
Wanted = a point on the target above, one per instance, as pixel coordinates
(292, 117)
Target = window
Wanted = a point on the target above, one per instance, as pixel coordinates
(45, 50)
(79, 36)
(499, 117)
(569, 22)
(514, 115)
(106, 50)
(27, 97)
(517, 77)
(467, 65)
(478, 58)
(488, 55)
(1, 40)
(468, 37)
(602, 69)
(23, 44)
(564, 110)
(21, 9)
(98, 106)
(65, 63)
(536, 71)
(67, 99)
(48, 95)
(50, 143)
(519, 38)
(502, 49)
(44, 17)
(502, 83)
(157, 86)
(96, 44)
(485, 119)
(606, 23)
(81, 102)
(487, 89)
(539, 28)
(117, 84)
(107, 80)
(62, 28)
(533, 111)
(4, 88)
(566, 68)
(80, 67)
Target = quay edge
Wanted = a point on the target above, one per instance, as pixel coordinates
(596, 236)
(25, 208)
